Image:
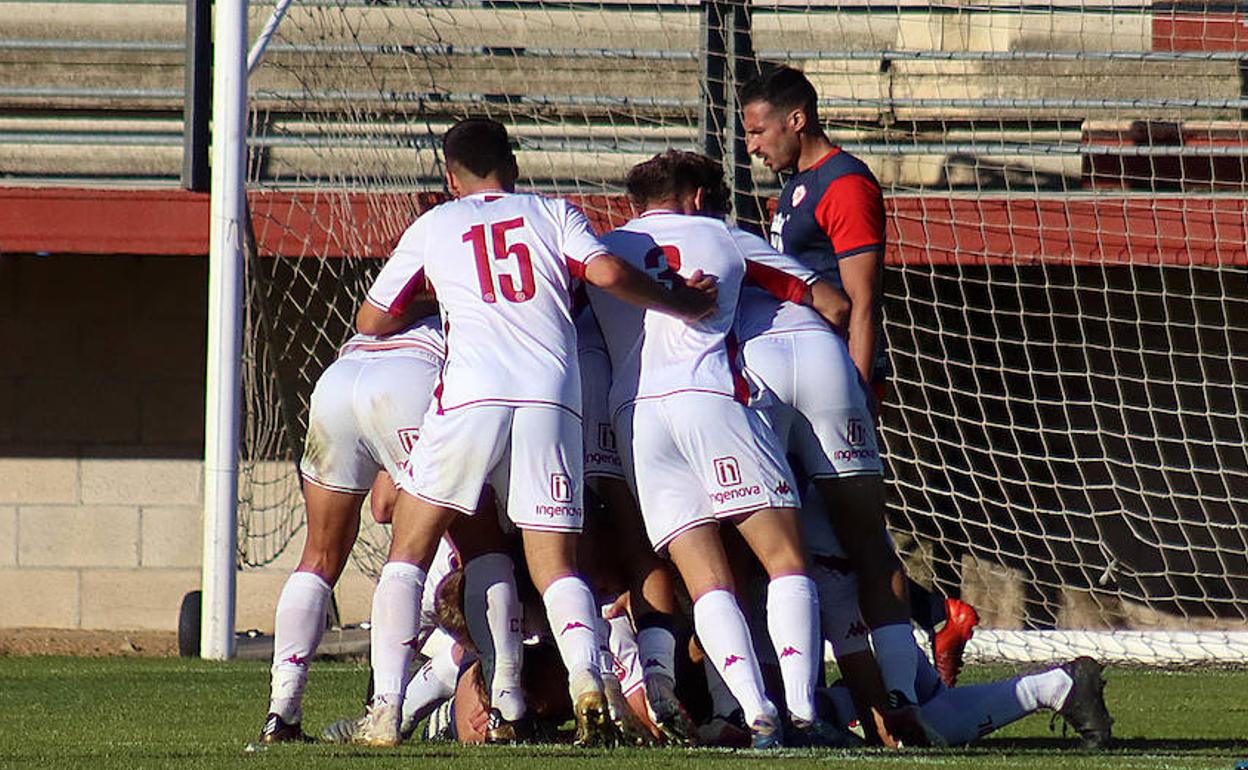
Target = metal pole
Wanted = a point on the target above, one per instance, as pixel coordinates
(225, 327)
(256, 55)
(197, 106)
(714, 79)
(750, 212)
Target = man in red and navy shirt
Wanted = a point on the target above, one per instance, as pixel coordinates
(831, 212)
(831, 218)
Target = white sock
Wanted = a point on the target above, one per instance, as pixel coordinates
(962, 714)
(492, 609)
(793, 624)
(726, 639)
(297, 629)
(1047, 689)
(656, 647)
(722, 702)
(573, 618)
(396, 622)
(624, 653)
(430, 686)
(897, 655)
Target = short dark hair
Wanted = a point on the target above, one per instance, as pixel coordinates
(480, 146)
(677, 172)
(783, 87)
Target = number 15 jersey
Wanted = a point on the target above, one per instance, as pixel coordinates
(501, 265)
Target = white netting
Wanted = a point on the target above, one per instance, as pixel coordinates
(1067, 306)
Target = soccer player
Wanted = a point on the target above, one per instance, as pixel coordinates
(507, 406)
(620, 534)
(831, 218)
(367, 408)
(697, 455)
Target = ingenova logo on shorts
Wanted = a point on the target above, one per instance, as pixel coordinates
(855, 454)
(556, 511)
(735, 494)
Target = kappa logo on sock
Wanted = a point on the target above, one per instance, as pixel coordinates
(572, 626)
(787, 651)
(298, 661)
(652, 663)
(728, 661)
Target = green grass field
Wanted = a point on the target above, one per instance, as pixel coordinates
(136, 713)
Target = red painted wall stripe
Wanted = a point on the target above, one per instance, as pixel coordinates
(941, 230)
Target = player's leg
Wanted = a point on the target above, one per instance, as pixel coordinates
(546, 501)
(651, 603)
(493, 612)
(963, 714)
(722, 630)
(442, 480)
(332, 524)
(337, 470)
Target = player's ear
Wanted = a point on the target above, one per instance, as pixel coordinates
(699, 199)
(796, 120)
(452, 181)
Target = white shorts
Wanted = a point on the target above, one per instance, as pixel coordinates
(602, 454)
(814, 400)
(366, 415)
(531, 455)
(696, 457)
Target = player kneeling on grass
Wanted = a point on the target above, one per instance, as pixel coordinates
(366, 410)
(508, 403)
(697, 455)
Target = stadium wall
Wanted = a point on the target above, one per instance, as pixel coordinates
(101, 416)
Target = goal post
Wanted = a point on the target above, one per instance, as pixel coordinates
(223, 398)
(1066, 286)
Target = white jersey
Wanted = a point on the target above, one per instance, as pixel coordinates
(501, 265)
(423, 337)
(654, 354)
(760, 310)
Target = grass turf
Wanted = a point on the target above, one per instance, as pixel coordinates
(137, 713)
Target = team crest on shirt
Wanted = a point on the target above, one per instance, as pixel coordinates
(799, 194)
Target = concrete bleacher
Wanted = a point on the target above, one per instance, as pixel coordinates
(107, 104)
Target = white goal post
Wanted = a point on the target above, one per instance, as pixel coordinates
(1066, 293)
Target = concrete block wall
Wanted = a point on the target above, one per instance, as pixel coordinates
(101, 433)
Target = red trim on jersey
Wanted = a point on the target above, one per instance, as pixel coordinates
(384, 345)
(741, 388)
(576, 268)
(437, 389)
(415, 286)
(678, 391)
(777, 283)
(851, 213)
(682, 529)
(443, 503)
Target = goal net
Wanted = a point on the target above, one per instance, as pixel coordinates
(1067, 283)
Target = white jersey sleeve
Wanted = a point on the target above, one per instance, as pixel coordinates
(774, 288)
(402, 278)
(580, 245)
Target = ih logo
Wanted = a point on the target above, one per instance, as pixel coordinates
(606, 437)
(855, 432)
(560, 488)
(727, 472)
(408, 437)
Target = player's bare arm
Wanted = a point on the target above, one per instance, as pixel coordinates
(860, 275)
(371, 319)
(628, 284)
(829, 302)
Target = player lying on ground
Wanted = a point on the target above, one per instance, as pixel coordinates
(508, 406)
(697, 455)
